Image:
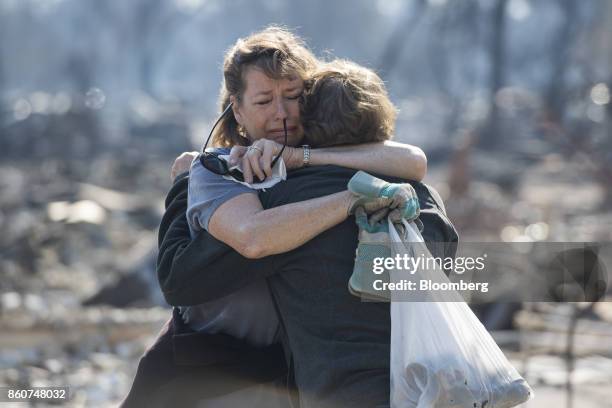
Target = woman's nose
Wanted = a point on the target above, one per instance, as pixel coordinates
(281, 110)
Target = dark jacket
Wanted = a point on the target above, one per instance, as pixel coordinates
(195, 271)
(183, 367)
(340, 346)
(353, 335)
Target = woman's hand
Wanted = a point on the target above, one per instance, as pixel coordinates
(402, 197)
(257, 159)
(182, 163)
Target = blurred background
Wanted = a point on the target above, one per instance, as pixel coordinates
(510, 99)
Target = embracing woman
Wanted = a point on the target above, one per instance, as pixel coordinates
(271, 83)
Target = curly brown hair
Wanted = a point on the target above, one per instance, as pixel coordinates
(278, 53)
(346, 103)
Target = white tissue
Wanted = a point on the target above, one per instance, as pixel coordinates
(279, 173)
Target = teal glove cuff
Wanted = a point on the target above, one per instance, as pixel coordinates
(366, 185)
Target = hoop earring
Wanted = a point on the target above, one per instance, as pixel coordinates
(242, 132)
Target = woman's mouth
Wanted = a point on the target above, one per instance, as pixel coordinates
(280, 133)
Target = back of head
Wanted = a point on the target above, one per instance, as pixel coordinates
(277, 52)
(346, 103)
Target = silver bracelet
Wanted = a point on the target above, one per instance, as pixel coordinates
(306, 160)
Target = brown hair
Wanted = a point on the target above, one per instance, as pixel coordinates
(274, 50)
(346, 103)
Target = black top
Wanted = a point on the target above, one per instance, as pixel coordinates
(339, 345)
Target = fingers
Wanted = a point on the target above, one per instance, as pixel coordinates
(266, 158)
(409, 207)
(246, 169)
(236, 154)
(361, 218)
(377, 216)
(258, 159)
(402, 204)
(252, 157)
(397, 200)
(182, 163)
(360, 212)
(403, 196)
(375, 204)
(395, 216)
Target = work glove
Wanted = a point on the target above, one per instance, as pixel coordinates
(373, 243)
(371, 192)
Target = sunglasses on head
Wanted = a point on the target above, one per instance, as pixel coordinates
(218, 165)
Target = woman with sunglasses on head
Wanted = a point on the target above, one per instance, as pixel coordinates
(264, 78)
(264, 81)
(264, 116)
(262, 121)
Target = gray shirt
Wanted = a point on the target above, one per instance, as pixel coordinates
(249, 313)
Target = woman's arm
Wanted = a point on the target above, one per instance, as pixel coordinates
(387, 158)
(193, 271)
(233, 214)
(243, 224)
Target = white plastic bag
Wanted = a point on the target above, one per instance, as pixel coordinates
(441, 355)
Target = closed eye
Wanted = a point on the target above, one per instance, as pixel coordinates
(263, 102)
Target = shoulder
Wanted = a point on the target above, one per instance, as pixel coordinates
(204, 185)
(200, 176)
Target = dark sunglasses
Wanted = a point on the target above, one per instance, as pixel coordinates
(214, 163)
